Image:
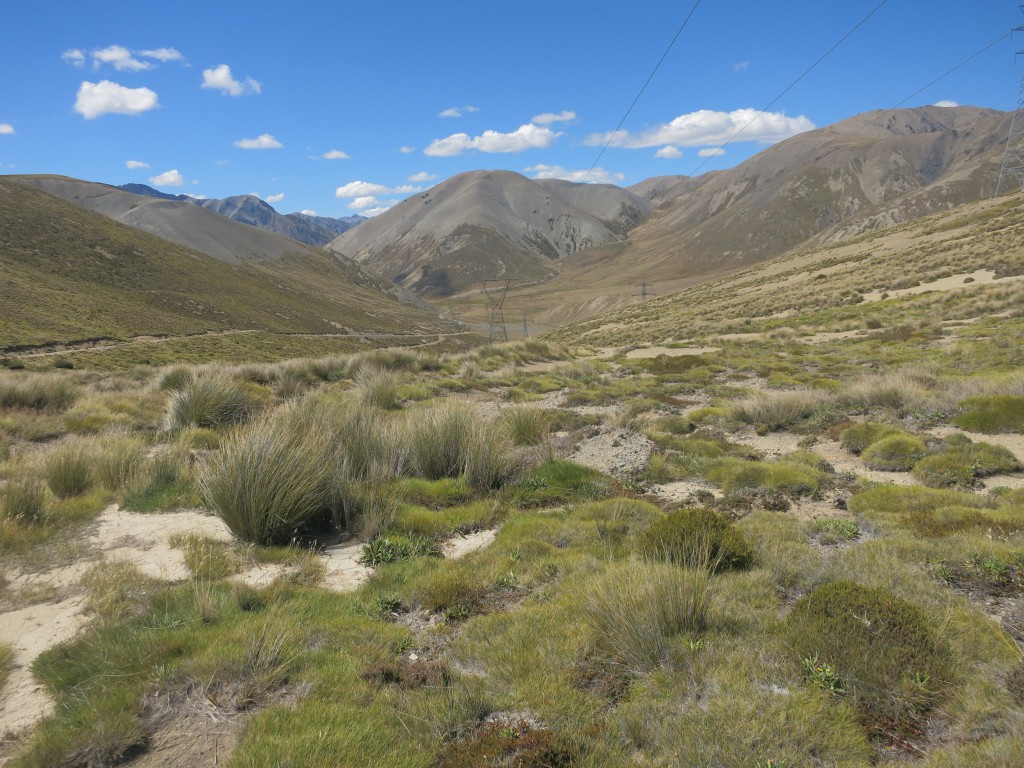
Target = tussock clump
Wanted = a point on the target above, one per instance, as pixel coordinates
(37, 392)
(526, 426)
(174, 379)
(23, 500)
(68, 470)
(887, 657)
(490, 462)
(439, 438)
(116, 461)
(961, 463)
(636, 610)
(774, 410)
(898, 390)
(992, 414)
(377, 388)
(895, 453)
(688, 536)
(792, 478)
(272, 479)
(209, 401)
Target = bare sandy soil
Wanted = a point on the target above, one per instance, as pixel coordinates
(978, 277)
(647, 353)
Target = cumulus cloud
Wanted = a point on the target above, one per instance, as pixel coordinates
(120, 57)
(74, 56)
(945, 103)
(6, 129)
(407, 150)
(95, 99)
(275, 198)
(334, 154)
(133, 164)
(597, 176)
(361, 203)
(422, 176)
(711, 152)
(547, 118)
(308, 213)
(263, 141)
(359, 189)
(450, 112)
(163, 54)
(669, 153)
(741, 66)
(219, 78)
(170, 178)
(524, 137)
(709, 127)
(371, 212)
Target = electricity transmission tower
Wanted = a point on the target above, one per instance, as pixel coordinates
(496, 290)
(526, 328)
(1013, 157)
(644, 292)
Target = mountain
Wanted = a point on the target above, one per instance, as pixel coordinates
(487, 224)
(249, 209)
(72, 274)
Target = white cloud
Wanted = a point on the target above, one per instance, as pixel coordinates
(308, 213)
(95, 99)
(6, 129)
(170, 178)
(133, 164)
(120, 57)
(75, 57)
(407, 150)
(711, 152)
(709, 127)
(220, 79)
(669, 152)
(741, 66)
(263, 141)
(275, 198)
(163, 54)
(371, 212)
(368, 188)
(196, 197)
(547, 118)
(334, 154)
(422, 176)
(222, 162)
(945, 103)
(361, 189)
(450, 112)
(597, 176)
(524, 137)
(471, 109)
(360, 203)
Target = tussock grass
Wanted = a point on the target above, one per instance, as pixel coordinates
(772, 411)
(636, 609)
(212, 400)
(68, 470)
(23, 500)
(6, 663)
(37, 392)
(992, 414)
(439, 438)
(859, 436)
(787, 477)
(687, 536)
(526, 426)
(206, 559)
(377, 387)
(116, 460)
(271, 479)
(117, 590)
(489, 461)
(900, 390)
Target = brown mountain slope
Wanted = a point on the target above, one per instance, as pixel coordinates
(70, 274)
(487, 224)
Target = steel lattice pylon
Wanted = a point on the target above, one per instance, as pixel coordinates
(496, 330)
(1013, 157)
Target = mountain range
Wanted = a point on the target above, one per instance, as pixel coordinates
(250, 209)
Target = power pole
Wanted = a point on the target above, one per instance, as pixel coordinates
(526, 328)
(644, 293)
(496, 290)
(1013, 157)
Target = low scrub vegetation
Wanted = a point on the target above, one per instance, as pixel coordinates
(212, 400)
(696, 538)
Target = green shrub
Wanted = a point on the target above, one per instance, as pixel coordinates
(67, 470)
(992, 414)
(888, 659)
(945, 521)
(272, 479)
(858, 437)
(636, 609)
(688, 536)
(785, 477)
(24, 500)
(895, 453)
(210, 401)
(962, 464)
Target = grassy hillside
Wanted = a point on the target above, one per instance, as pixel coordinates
(72, 275)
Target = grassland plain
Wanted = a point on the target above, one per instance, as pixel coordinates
(865, 616)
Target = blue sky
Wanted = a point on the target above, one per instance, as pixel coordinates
(343, 108)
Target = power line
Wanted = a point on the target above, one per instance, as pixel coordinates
(792, 85)
(647, 82)
(949, 72)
